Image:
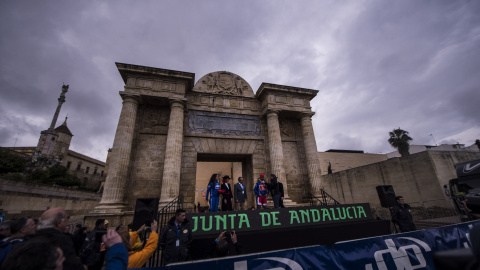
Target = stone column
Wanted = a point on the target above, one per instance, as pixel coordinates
(313, 164)
(61, 100)
(276, 150)
(113, 194)
(173, 153)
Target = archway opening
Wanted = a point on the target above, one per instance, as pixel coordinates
(234, 166)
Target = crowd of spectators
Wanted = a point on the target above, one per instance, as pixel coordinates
(49, 242)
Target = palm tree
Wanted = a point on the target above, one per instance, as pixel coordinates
(400, 140)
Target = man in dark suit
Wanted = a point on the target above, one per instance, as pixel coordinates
(240, 193)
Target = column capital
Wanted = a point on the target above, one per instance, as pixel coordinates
(306, 115)
(132, 97)
(177, 103)
(272, 112)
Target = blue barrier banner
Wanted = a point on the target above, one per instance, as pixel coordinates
(411, 250)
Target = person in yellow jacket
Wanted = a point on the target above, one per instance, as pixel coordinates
(137, 259)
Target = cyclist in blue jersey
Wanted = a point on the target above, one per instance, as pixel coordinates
(213, 190)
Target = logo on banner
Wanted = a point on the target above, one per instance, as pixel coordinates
(400, 256)
(293, 265)
(469, 168)
(467, 235)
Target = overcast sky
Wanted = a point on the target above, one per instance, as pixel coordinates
(378, 65)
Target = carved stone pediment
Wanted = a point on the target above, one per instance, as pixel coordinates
(224, 82)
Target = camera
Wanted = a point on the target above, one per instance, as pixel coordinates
(229, 234)
(148, 222)
(98, 235)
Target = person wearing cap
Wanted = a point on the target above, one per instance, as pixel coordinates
(261, 191)
(227, 194)
(256, 196)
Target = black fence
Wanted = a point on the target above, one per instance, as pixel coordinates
(430, 214)
(321, 199)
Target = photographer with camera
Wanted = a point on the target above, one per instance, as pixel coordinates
(226, 244)
(92, 252)
(137, 259)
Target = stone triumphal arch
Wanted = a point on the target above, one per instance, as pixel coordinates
(168, 123)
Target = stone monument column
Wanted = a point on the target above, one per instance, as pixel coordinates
(113, 194)
(313, 164)
(276, 150)
(173, 153)
(61, 100)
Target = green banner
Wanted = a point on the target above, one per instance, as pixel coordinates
(253, 220)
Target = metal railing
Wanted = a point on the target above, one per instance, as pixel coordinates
(429, 214)
(164, 215)
(323, 199)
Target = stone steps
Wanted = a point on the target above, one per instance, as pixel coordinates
(287, 203)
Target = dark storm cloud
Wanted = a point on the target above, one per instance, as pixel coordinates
(404, 65)
(378, 65)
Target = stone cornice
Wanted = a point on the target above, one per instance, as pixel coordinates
(129, 69)
(298, 113)
(268, 87)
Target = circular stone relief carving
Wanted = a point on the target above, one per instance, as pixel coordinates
(224, 82)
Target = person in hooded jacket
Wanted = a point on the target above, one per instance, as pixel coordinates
(176, 238)
(276, 189)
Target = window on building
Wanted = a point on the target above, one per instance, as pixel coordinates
(85, 180)
(101, 174)
(95, 171)
(79, 166)
(87, 170)
(69, 164)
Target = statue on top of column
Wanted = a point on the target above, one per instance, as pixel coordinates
(64, 90)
